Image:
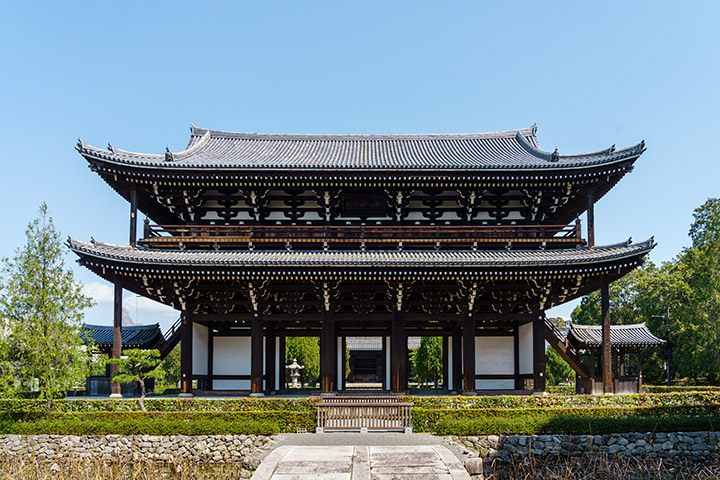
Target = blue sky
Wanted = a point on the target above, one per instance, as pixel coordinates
(137, 74)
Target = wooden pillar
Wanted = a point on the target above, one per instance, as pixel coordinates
(270, 366)
(456, 360)
(538, 326)
(117, 338)
(469, 354)
(328, 346)
(606, 349)
(281, 369)
(256, 356)
(591, 216)
(186, 354)
(211, 358)
(639, 372)
(398, 353)
(516, 357)
(133, 215)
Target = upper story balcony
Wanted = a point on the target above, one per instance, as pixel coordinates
(356, 237)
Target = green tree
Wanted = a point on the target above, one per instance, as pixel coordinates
(557, 370)
(307, 352)
(169, 369)
(429, 360)
(136, 365)
(42, 306)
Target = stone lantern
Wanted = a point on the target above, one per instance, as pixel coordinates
(295, 373)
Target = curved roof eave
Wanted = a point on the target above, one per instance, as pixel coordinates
(524, 141)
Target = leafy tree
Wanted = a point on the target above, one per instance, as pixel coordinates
(307, 352)
(136, 365)
(557, 370)
(169, 369)
(42, 306)
(429, 360)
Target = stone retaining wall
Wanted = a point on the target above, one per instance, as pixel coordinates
(696, 447)
(245, 450)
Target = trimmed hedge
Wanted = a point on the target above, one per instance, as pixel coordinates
(164, 405)
(680, 388)
(155, 423)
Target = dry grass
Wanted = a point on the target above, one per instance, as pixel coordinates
(28, 468)
(603, 467)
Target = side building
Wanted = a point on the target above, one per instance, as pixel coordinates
(254, 238)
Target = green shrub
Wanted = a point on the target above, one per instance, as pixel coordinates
(680, 388)
(154, 423)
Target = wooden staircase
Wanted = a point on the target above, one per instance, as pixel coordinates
(169, 339)
(561, 345)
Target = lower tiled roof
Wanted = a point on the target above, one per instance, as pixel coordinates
(136, 336)
(360, 258)
(637, 335)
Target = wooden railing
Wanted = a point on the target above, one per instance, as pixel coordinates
(363, 413)
(224, 236)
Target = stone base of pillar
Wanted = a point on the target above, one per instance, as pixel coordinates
(539, 393)
(185, 395)
(255, 395)
(468, 394)
(116, 396)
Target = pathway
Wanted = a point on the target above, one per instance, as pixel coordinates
(327, 457)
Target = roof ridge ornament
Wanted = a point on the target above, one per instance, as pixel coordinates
(169, 157)
(111, 148)
(555, 156)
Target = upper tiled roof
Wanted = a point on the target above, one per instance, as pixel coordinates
(512, 150)
(620, 335)
(136, 336)
(360, 258)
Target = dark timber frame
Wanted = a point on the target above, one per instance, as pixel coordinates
(470, 236)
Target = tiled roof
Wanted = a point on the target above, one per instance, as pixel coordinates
(136, 336)
(360, 258)
(620, 335)
(213, 149)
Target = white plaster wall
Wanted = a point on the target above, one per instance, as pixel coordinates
(200, 350)
(449, 381)
(494, 355)
(387, 363)
(231, 385)
(495, 384)
(231, 356)
(526, 348)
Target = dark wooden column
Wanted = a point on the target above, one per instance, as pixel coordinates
(591, 216)
(538, 352)
(328, 353)
(186, 354)
(516, 357)
(211, 358)
(133, 215)
(469, 354)
(639, 372)
(281, 366)
(398, 353)
(456, 360)
(256, 355)
(270, 366)
(606, 349)
(117, 338)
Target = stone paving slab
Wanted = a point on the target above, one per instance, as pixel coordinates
(384, 462)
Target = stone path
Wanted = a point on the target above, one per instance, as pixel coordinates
(386, 462)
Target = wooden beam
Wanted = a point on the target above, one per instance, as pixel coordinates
(606, 349)
(186, 354)
(591, 216)
(256, 356)
(117, 338)
(270, 366)
(469, 354)
(538, 353)
(457, 341)
(328, 353)
(133, 214)
(398, 353)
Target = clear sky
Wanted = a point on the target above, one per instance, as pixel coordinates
(137, 74)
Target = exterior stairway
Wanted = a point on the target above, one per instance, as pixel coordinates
(169, 339)
(558, 341)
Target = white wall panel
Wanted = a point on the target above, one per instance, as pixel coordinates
(526, 348)
(231, 385)
(495, 384)
(494, 355)
(231, 356)
(199, 350)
